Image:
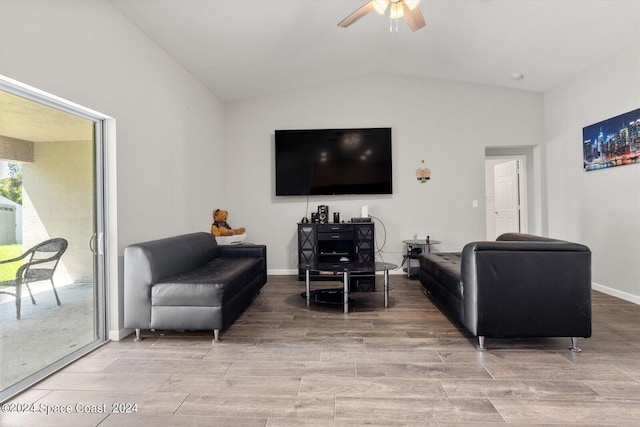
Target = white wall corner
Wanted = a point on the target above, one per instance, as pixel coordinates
(120, 334)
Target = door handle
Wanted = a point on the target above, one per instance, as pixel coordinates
(95, 244)
(92, 243)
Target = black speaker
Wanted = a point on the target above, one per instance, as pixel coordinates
(314, 217)
(336, 217)
(323, 213)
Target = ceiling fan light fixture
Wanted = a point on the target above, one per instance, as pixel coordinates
(380, 6)
(407, 9)
(397, 11)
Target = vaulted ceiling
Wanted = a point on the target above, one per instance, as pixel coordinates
(247, 48)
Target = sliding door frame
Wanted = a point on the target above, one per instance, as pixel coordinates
(102, 125)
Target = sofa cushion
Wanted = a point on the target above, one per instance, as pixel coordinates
(212, 284)
(444, 267)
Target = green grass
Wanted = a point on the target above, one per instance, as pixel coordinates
(8, 271)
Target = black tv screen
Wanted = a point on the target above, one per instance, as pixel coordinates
(333, 161)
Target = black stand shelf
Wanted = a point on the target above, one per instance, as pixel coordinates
(336, 247)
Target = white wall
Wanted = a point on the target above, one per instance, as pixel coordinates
(600, 208)
(58, 201)
(170, 129)
(448, 124)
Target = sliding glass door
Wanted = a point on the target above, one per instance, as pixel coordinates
(51, 184)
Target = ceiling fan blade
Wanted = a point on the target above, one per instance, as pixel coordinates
(413, 18)
(356, 15)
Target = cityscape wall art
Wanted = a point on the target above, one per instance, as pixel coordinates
(612, 142)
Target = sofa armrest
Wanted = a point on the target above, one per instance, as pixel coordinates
(243, 250)
(147, 263)
(527, 288)
(138, 279)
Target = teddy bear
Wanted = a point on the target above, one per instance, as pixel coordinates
(221, 227)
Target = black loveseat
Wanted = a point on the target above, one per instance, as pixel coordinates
(190, 282)
(517, 286)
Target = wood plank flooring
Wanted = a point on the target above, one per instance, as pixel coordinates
(281, 364)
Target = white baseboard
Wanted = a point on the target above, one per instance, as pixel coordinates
(281, 272)
(120, 334)
(616, 293)
(396, 272)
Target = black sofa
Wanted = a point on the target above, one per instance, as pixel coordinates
(190, 282)
(517, 286)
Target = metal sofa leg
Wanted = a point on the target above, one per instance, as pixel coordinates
(137, 338)
(480, 346)
(574, 348)
(216, 335)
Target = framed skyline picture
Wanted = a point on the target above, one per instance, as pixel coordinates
(612, 142)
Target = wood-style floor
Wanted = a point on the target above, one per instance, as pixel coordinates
(281, 364)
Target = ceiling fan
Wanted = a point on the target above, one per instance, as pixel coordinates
(407, 9)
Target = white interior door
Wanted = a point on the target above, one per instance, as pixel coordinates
(507, 194)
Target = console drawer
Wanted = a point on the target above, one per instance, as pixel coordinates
(335, 236)
(335, 228)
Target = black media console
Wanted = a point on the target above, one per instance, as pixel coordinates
(334, 247)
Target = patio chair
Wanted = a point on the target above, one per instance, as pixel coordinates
(39, 263)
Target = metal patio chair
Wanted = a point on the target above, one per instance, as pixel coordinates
(39, 263)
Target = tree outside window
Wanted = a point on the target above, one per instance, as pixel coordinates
(11, 187)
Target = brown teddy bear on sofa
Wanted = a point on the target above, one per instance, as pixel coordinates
(221, 227)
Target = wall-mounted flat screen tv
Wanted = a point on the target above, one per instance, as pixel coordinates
(333, 161)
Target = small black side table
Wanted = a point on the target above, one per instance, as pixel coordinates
(414, 248)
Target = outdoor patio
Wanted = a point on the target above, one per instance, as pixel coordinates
(46, 332)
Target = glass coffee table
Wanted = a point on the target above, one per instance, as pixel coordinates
(342, 295)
